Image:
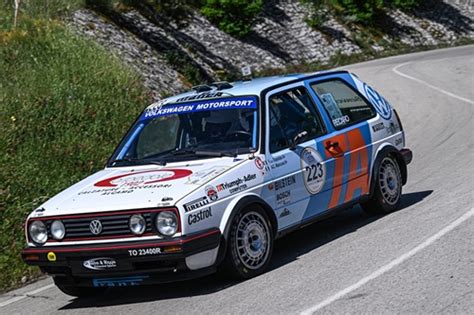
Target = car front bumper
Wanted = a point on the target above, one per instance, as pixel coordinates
(135, 263)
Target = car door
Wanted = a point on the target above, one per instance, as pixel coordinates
(293, 153)
(347, 113)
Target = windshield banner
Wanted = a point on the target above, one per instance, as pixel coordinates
(238, 102)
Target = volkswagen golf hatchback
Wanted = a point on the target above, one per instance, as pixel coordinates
(214, 176)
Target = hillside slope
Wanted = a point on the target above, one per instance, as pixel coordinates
(64, 104)
(172, 53)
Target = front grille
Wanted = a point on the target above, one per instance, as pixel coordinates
(114, 224)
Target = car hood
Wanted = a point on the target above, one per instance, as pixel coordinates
(135, 187)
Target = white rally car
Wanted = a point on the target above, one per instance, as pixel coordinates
(213, 176)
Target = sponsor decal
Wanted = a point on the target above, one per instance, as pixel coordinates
(130, 182)
(331, 105)
(122, 189)
(143, 178)
(239, 102)
(95, 227)
(381, 105)
(119, 282)
(354, 169)
(194, 218)
(51, 256)
(158, 104)
(259, 164)
(199, 96)
(391, 129)
(101, 263)
(237, 184)
(196, 204)
(203, 176)
(211, 193)
(341, 121)
(144, 251)
(275, 162)
(283, 198)
(285, 213)
(346, 100)
(314, 174)
(285, 182)
(378, 127)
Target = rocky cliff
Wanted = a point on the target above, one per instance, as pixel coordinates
(171, 56)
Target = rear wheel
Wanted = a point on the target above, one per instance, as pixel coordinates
(250, 243)
(76, 291)
(388, 188)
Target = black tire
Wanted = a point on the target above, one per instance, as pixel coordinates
(251, 236)
(388, 188)
(81, 292)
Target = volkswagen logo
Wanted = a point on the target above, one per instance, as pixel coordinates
(96, 227)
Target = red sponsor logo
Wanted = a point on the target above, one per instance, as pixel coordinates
(211, 193)
(259, 163)
(143, 178)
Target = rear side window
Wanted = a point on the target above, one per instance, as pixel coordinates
(343, 105)
(292, 112)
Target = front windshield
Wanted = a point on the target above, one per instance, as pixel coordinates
(192, 130)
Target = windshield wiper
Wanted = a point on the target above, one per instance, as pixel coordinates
(182, 151)
(216, 153)
(203, 153)
(137, 162)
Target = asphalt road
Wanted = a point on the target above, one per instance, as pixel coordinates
(419, 259)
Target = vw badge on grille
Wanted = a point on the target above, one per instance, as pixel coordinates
(96, 227)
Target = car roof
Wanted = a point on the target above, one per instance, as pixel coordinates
(249, 87)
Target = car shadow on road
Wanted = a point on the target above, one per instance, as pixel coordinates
(287, 249)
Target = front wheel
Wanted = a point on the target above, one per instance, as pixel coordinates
(388, 188)
(250, 243)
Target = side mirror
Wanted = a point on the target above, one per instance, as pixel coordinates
(300, 137)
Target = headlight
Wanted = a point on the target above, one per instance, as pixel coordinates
(38, 232)
(137, 224)
(58, 230)
(167, 223)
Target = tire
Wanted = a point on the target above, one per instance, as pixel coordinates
(388, 188)
(81, 292)
(250, 243)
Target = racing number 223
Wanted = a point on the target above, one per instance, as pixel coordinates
(314, 172)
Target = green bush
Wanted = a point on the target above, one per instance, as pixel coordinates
(404, 4)
(361, 11)
(234, 17)
(100, 5)
(64, 105)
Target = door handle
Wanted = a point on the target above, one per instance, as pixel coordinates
(334, 149)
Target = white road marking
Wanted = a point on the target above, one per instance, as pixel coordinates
(21, 297)
(395, 69)
(390, 265)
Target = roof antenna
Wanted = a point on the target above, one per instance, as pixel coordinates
(246, 72)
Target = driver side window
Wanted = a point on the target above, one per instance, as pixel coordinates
(292, 112)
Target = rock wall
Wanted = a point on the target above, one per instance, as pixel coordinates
(163, 51)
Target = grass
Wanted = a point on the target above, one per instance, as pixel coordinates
(64, 104)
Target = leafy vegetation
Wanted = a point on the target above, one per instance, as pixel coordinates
(235, 17)
(405, 4)
(363, 12)
(64, 104)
